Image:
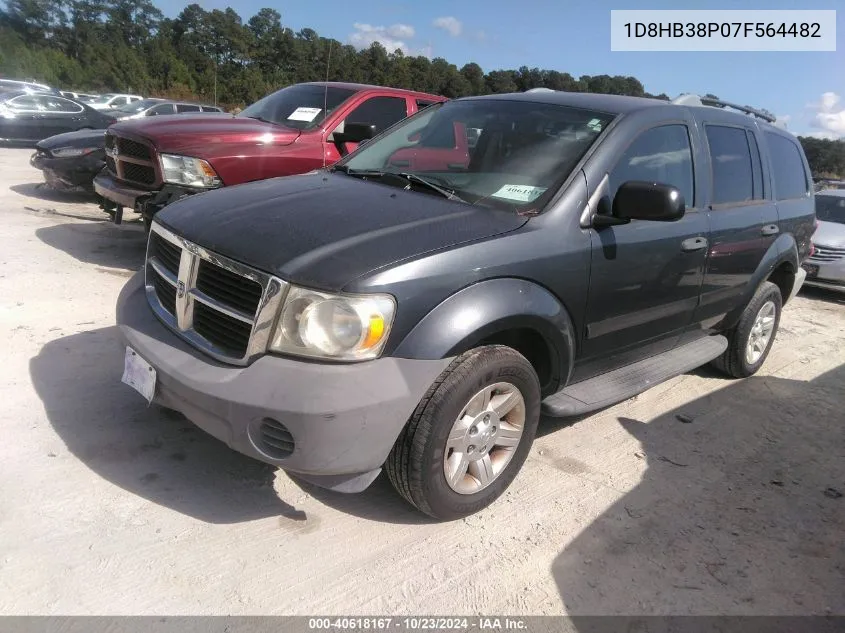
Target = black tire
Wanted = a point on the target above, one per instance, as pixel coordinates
(733, 362)
(415, 465)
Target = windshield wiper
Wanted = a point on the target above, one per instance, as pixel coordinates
(262, 119)
(373, 173)
(446, 193)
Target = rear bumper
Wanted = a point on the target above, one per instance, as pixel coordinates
(800, 280)
(111, 189)
(343, 419)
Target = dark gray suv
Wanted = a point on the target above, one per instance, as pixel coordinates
(417, 306)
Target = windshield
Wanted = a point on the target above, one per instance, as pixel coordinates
(486, 151)
(830, 208)
(137, 106)
(299, 106)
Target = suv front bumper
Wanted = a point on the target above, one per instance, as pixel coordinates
(830, 275)
(344, 418)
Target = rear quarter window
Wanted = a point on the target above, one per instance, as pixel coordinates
(730, 156)
(787, 168)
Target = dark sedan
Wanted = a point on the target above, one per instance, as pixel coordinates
(71, 159)
(27, 118)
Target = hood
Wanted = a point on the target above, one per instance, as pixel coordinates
(179, 131)
(324, 230)
(82, 138)
(830, 234)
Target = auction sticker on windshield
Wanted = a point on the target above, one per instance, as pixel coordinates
(304, 114)
(139, 374)
(519, 193)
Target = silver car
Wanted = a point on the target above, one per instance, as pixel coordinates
(826, 266)
(153, 107)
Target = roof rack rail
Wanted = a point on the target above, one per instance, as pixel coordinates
(695, 100)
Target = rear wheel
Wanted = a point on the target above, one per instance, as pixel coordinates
(751, 339)
(470, 434)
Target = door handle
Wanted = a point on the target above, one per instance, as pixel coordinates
(770, 229)
(694, 244)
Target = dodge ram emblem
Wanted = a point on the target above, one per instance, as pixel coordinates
(180, 289)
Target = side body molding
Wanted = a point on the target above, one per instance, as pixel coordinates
(490, 307)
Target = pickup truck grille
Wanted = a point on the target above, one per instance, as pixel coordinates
(220, 306)
(827, 254)
(131, 161)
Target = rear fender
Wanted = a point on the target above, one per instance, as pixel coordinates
(782, 250)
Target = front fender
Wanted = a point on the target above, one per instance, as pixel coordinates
(491, 307)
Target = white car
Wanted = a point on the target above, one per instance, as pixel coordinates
(826, 266)
(113, 100)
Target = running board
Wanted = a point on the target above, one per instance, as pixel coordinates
(626, 382)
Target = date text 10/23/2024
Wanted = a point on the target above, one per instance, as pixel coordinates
(418, 624)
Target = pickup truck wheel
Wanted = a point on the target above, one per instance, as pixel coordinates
(469, 435)
(752, 338)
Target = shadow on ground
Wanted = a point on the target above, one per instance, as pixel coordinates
(150, 452)
(823, 294)
(43, 191)
(101, 243)
(740, 510)
(159, 455)
(380, 502)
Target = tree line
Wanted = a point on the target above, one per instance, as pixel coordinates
(110, 45)
(826, 156)
(214, 56)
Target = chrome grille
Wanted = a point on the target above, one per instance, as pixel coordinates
(217, 304)
(827, 254)
(130, 161)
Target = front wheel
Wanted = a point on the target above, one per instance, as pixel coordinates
(470, 434)
(750, 342)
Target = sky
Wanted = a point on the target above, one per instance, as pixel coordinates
(806, 89)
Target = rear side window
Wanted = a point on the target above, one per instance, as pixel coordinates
(381, 111)
(422, 103)
(661, 155)
(162, 108)
(787, 167)
(733, 177)
(185, 107)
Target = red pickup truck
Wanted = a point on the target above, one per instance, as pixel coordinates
(153, 162)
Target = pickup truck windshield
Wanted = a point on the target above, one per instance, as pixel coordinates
(830, 208)
(299, 106)
(493, 152)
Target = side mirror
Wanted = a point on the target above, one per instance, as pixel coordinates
(641, 200)
(355, 133)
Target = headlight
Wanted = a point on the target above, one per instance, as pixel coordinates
(186, 170)
(68, 152)
(341, 327)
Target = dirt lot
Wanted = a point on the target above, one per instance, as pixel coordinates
(110, 507)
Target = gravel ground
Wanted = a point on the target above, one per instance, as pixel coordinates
(111, 507)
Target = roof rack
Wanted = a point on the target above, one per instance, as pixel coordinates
(695, 100)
